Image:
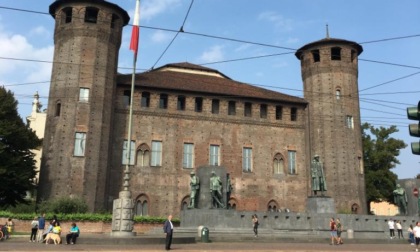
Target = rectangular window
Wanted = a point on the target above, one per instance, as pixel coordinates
(163, 101)
(215, 106)
(84, 94)
(79, 144)
(126, 98)
(198, 104)
(263, 111)
(188, 155)
(232, 108)
(292, 162)
(181, 103)
(293, 114)
(156, 153)
(126, 151)
(248, 109)
(349, 122)
(247, 159)
(279, 112)
(214, 155)
(145, 99)
(315, 55)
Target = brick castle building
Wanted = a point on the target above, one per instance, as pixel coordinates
(187, 116)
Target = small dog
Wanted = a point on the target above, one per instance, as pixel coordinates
(55, 237)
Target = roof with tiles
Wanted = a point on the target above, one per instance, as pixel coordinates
(187, 77)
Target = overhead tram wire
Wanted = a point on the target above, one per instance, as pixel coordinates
(403, 77)
(176, 35)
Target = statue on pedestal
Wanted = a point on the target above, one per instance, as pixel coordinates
(400, 199)
(195, 186)
(216, 191)
(318, 176)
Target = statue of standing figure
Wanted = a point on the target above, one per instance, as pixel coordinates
(318, 176)
(195, 186)
(216, 191)
(400, 199)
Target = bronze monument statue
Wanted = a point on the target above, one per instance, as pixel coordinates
(195, 186)
(216, 191)
(400, 199)
(318, 177)
(229, 189)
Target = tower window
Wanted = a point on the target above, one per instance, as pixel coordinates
(114, 20)
(349, 122)
(215, 106)
(67, 14)
(91, 15)
(338, 94)
(198, 104)
(315, 55)
(84, 95)
(232, 108)
(58, 108)
(353, 55)
(336, 53)
(248, 109)
(181, 102)
(163, 101)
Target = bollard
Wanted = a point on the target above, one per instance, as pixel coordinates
(350, 234)
(205, 235)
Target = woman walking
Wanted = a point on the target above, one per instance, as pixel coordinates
(255, 224)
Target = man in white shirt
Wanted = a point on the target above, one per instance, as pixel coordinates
(416, 231)
(391, 225)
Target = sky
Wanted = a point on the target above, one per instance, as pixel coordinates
(249, 41)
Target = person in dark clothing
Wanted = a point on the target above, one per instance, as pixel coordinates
(168, 228)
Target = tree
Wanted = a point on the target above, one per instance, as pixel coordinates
(380, 153)
(17, 165)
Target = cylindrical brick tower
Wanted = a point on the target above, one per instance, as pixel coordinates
(329, 73)
(76, 147)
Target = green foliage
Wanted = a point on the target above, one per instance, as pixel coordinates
(23, 208)
(94, 217)
(380, 153)
(64, 205)
(17, 165)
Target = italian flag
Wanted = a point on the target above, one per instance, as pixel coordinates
(134, 44)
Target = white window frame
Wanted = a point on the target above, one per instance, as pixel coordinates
(349, 122)
(214, 154)
(79, 144)
(125, 153)
(247, 159)
(84, 95)
(156, 154)
(188, 157)
(291, 162)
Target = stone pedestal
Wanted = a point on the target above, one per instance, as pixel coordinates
(322, 204)
(122, 215)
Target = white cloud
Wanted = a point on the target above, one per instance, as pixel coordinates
(161, 36)
(215, 53)
(39, 31)
(242, 47)
(278, 20)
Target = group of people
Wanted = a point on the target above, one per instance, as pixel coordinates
(39, 232)
(336, 228)
(396, 224)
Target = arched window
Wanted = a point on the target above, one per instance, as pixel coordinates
(337, 94)
(143, 155)
(142, 205)
(232, 203)
(278, 164)
(272, 206)
(91, 15)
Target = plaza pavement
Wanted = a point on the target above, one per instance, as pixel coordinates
(103, 243)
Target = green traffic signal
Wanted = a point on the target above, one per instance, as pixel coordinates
(413, 113)
(415, 148)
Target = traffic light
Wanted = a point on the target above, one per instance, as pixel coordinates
(413, 113)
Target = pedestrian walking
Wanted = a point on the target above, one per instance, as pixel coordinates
(168, 229)
(399, 229)
(255, 224)
(339, 230)
(391, 226)
(416, 231)
(333, 228)
(410, 234)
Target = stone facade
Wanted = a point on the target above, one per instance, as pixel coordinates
(187, 116)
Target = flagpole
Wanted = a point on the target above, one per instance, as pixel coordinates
(123, 207)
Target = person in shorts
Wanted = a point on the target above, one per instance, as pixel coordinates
(333, 228)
